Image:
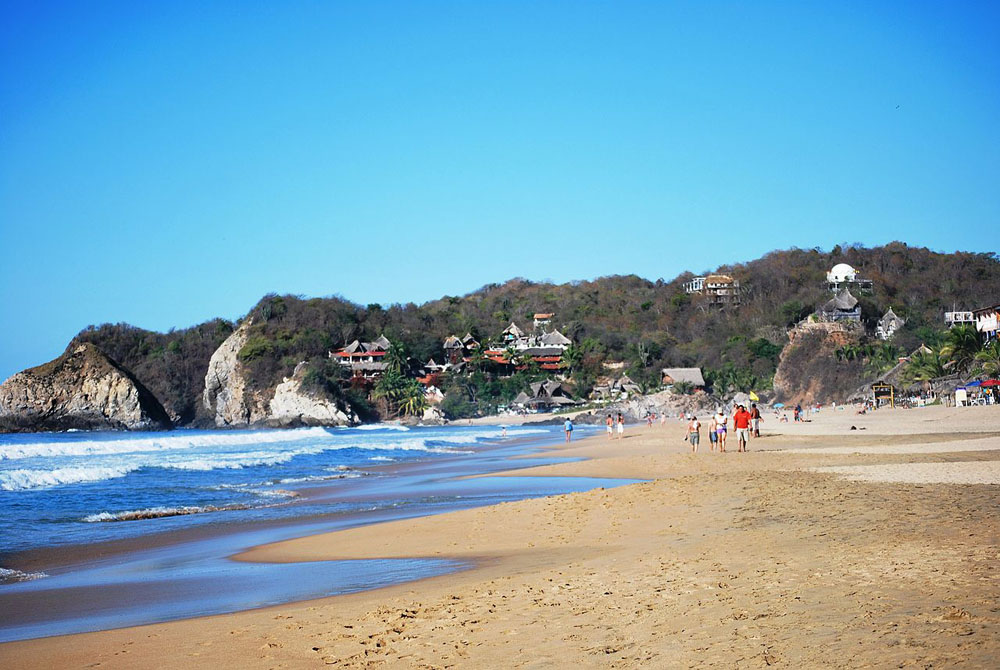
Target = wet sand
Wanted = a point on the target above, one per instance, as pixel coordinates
(731, 560)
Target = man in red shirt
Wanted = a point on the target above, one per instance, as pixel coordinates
(741, 421)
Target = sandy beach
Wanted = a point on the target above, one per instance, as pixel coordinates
(821, 547)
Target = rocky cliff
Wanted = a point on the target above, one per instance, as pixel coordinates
(228, 397)
(808, 369)
(294, 405)
(82, 389)
(233, 401)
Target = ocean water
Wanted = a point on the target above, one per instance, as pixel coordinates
(70, 488)
(191, 500)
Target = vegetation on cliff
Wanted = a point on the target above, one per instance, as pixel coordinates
(644, 324)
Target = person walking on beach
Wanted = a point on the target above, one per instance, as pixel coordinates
(713, 435)
(798, 413)
(609, 423)
(755, 420)
(694, 433)
(621, 426)
(720, 427)
(568, 427)
(741, 422)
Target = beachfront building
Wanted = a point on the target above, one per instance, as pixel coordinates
(953, 319)
(543, 396)
(888, 325)
(842, 277)
(987, 321)
(615, 389)
(364, 359)
(692, 376)
(842, 307)
(720, 290)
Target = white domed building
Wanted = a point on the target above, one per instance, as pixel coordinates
(841, 272)
(843, 276)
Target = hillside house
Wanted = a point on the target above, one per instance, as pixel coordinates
(511, 334)
(692, 376)
(542, 320)
(987, 321)
(719, 289)
(953, 319)
(842, 307)
(888, 325)
(364, 359)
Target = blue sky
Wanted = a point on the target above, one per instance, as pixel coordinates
(165, 163)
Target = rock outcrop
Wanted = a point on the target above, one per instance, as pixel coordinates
(82, 389)
(293, 405)
(808, 369)
(227, 396)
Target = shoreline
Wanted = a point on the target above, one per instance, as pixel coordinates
(558, 564)
(397, 491)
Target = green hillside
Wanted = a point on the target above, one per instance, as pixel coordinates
(645, 324)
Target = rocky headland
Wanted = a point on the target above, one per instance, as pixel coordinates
(82, 389)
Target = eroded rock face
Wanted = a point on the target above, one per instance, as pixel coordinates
(227, 396)
(82, 389)
(292, 405)
(808, 368)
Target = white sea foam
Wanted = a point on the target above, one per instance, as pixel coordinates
(320, 478)
(8, 576)
(382, 426)
(166, 442)
(20, 480)
(159, 512)
(97, 460)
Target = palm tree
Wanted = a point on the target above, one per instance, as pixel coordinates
(988, 358)
(923, 367)
(395, 358)
(413, 401)
(960, 347)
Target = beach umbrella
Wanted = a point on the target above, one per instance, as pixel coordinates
(778, 405)
(754, 397)
(991, 382)
(975, 383)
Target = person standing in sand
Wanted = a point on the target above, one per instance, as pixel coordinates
(720, 427)
(610, 425)
(741, 422)
(694, 433)
(621, 426)
(568, 427)
(755, 420)
(713, 435)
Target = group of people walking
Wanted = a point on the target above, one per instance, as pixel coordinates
(746, 423)
(615, 425)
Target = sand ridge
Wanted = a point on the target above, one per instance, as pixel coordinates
(736, 560)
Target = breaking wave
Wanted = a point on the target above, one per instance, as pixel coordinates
(94, 460)
(159, 513)
(171, 442)
(20, 480)
(8, 576)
